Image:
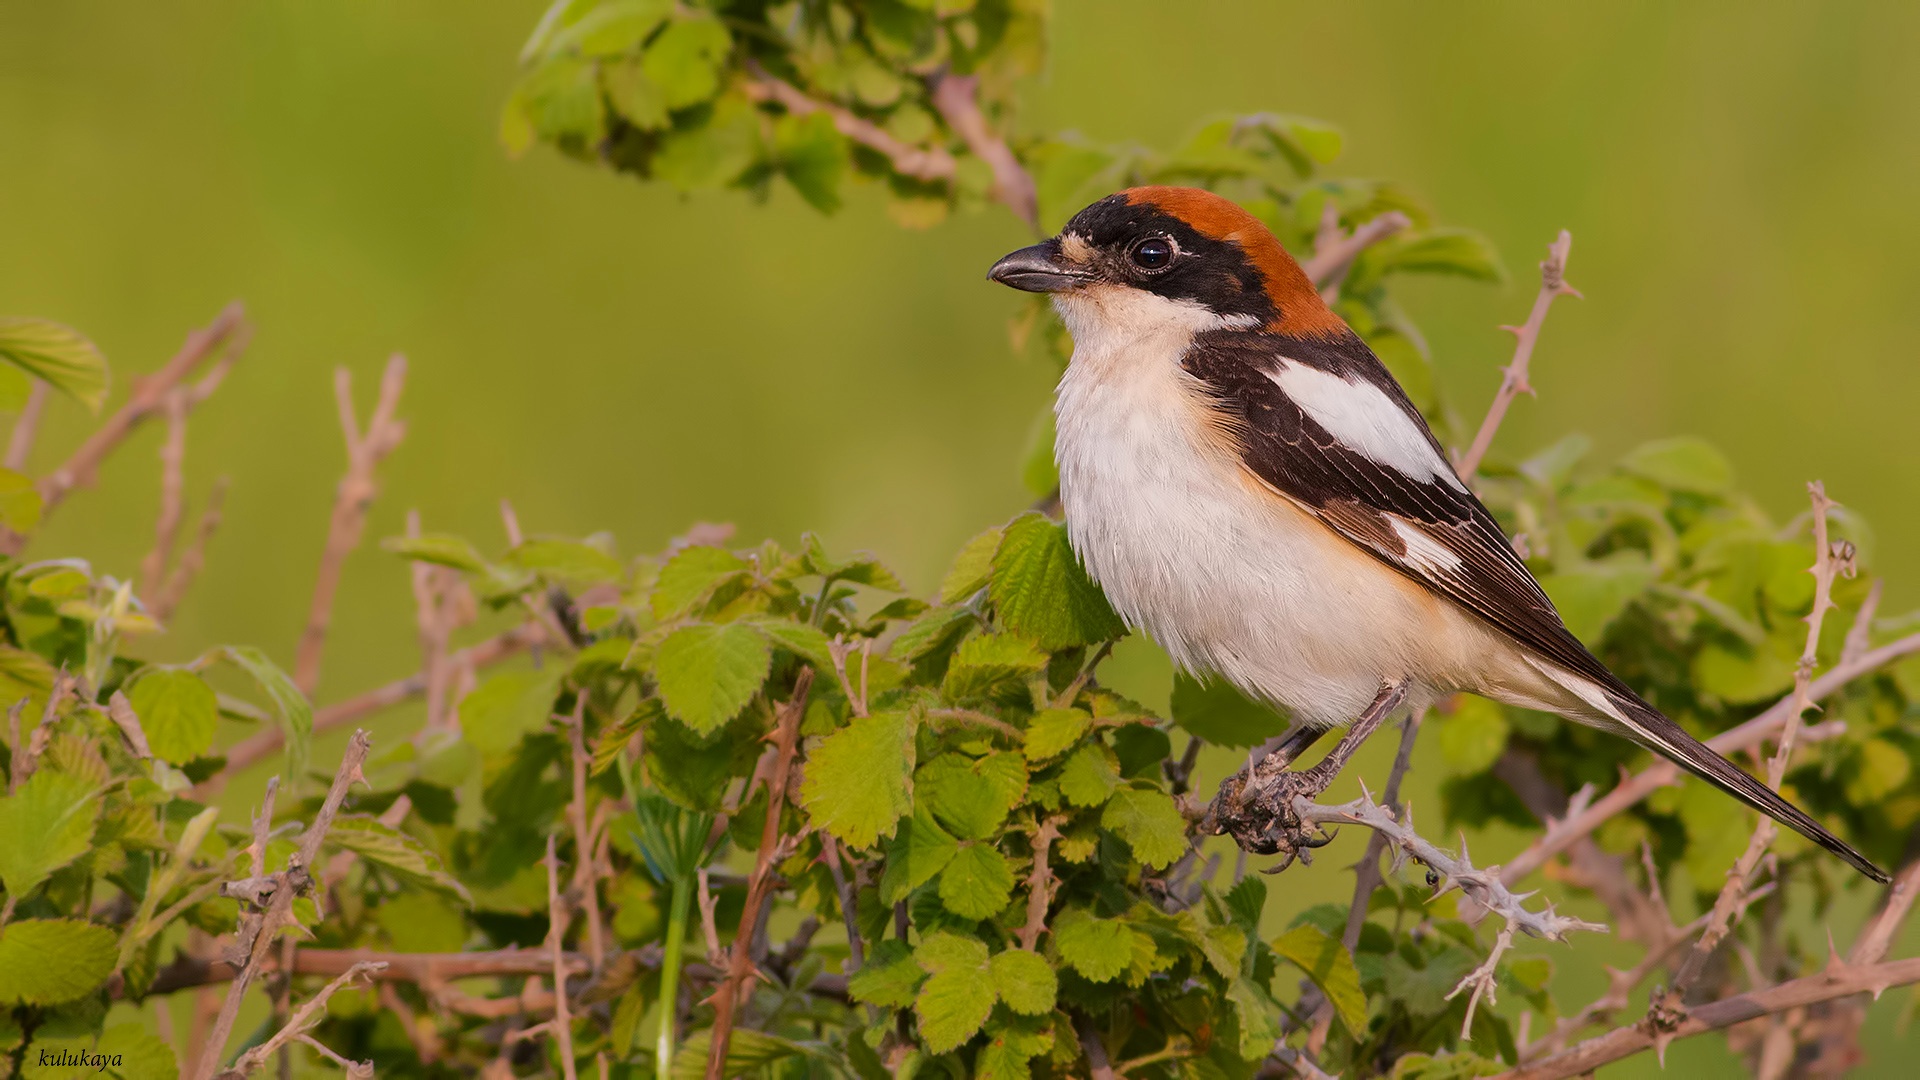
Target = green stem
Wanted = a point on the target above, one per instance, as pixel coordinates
(670, 972)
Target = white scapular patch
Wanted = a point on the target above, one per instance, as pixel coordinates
(1363, 417)
(1423, 551)
(1588, 691)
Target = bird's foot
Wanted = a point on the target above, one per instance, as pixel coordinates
(1257, 811)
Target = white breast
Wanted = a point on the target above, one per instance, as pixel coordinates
(1226, 575)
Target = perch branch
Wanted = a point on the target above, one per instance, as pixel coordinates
(919, 162)
(1513, 381)
(586, 871)
(303, 1021)
(350, 502)
(1330, 261)
(957, 99)
(192, 560)
(20, 442)
(166, 529)
(760, 885)
(562, 1023)
(1039, 884)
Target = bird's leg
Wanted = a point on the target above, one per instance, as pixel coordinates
(1257, 809)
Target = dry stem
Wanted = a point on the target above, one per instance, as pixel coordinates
(303, 1021)
(1330, 260)
(919, 162)
(1513, 381)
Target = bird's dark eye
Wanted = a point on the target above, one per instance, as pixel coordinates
(1153, 253)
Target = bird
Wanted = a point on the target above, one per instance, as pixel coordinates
(1249, 484)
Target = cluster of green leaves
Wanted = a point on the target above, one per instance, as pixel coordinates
(58, 357)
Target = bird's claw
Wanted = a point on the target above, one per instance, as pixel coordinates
(1258, 813)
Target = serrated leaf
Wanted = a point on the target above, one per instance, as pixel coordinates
(404, 854)
(859, 780)
(920, 850)
(48, 961)
(690, 771)
(1100, 949)
(1474, 737)
(977, 882)
(1683, 464)
(44, 825)
(1025, 981)
(958, 996)
(972, 796)
(569, 561)
(58, 355)
(289, 704)
(1592, 596)
(1217, 712)
(987, 662)
(507, 706)
(692, 576)
(1327, 962)
(178, 711)
(1052, 732)
(1440, 251)
(748, 1051)
(438, 548)
(1257, 1017)
(612, 27)
(684, 61)
(1246, 901)
(1041, 592)
(806, 642)
(1090, 775)
(972, 567)
(813, 156)
(707, 673)
(890, 979)
(695, 155)
(634, 95)
(1150, 824)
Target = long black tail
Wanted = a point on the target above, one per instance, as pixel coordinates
(1646, 726)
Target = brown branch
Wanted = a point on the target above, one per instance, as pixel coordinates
(20, 442)
(830, 850)
(1330, 260)
(350, 502)
(1826, 567)
(1099, 1067)
(919, 162)
(1839, 980)
(957, 99)
(192, 560)
(166, 529)
(1040, 885)
(562, 1025)
(1513, 381)
(267, 743)
(267, 899)
(1749, 734)
(229, 329)
(786, 737)
(586, 871)
(303, 1021)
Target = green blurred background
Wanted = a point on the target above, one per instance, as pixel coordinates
(609, 355)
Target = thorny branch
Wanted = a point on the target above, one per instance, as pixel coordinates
(957, 99)
(303, 1021)
(1334, 252)
(1513, 381)
(786, 740)
(365, 450)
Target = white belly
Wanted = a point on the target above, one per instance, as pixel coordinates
(1227, 576)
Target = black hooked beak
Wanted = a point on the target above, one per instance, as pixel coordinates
(1038, 269)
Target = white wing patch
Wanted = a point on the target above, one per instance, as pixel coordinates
(1363, 417)
(1590, 692)
(1423, 551)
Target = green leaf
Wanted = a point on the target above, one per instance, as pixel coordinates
(1881, 770)
(1257, 1017)
(813, 155)
(1063, 170)
(438, 548)
(1025, 981)
(708, 673)
(920, 850)
(1090, 775)
(977, 882)
(1473, 738)
(142, 1054)
(748, 1051)
(1052, 732)
(861, 569)
(684, 61)
(613, 27)
(44, 825)
(1011, 1043)
(969, 796)
(988, 662)
(507, 706)
(692, 576)
(1149, 822)
(890, 979)
(561, 100)
(58, 355)
(632, 94)
(1217, 712)
(178, 712)
(695, 155)
(798, 638)
(1327, 962)
(48, 961)
(568, 561)
(1100, 949)
(971, 568)
(20, 504)
(955, 1002)
(397, 851)
(859, 780)
(289, 704)
(1440, 251)
(1590, 598)
(1040, 591)
(1682, 464)
(690, 771)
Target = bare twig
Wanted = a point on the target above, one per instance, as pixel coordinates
(303, 1021)
(957, 99)
(268, 898)
(1837, 981)
(919, 162)
(1040, 884)
(192, 560)
(726, 999)
(1658, 775)
(562, 1024)
(434, 625)
(1860, 634)
(1828, 564)
(1367, 876)
(1513, 381)
(166, 529)
(20, 442)
(1099, 1066)
(149, 394)
(1330, 261)
(586, 871)
(350, 502)
(830, 850)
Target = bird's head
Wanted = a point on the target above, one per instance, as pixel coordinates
(1179, 253)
